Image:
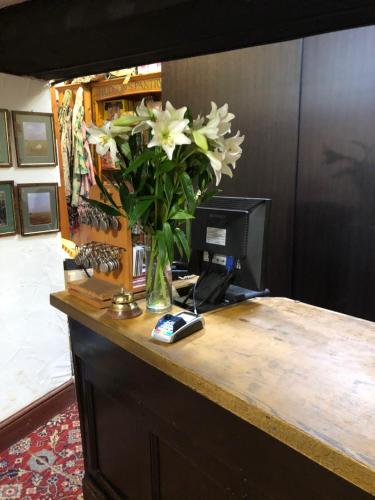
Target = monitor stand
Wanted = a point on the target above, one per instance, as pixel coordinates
(233, 295)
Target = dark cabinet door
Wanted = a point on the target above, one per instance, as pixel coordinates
(136, 431)
(335, 224)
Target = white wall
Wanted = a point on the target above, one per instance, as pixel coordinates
(34, 349)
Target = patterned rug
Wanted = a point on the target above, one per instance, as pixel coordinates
(47, 464)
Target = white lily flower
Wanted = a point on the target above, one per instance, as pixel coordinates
(148, 114)
(210, 130)
(103, 140)
(201, 132)
(231, 147)
(221, 159)
(198, 122)
(217, 161)
(143, 111)
(143, 125)
(144, 114)
(224, 117)
(117, 130)
(175, 114)
(168, 133)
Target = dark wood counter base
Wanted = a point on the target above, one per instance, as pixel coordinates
(147, 436)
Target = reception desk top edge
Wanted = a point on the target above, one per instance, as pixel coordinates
(302, 374)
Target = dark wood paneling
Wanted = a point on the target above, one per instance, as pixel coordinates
(149, 437)
(335, 232)
(35, 414)
(261, 86)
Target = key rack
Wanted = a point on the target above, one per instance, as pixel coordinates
(121, 238)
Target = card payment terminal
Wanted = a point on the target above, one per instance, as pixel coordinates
(173, 327)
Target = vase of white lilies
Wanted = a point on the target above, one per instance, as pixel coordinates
(162, 182)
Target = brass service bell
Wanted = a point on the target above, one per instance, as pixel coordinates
(124, 306)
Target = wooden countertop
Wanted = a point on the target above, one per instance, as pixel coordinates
(302, 374)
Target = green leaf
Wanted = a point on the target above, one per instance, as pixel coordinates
(178, 245)
(165, 167)
(115, 178)
(168, 237)
(142, 178)
(159, 189)
(140, 160)
(200, 140)
(145, 197)
(168, 187)
(138, 209)
(125, 149)
(124, 197)
(182, 215)
(103, 206)
(210, 194)
(183, 241)
(105, 191)
(188, 189)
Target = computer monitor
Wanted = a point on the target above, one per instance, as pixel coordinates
(232, 232)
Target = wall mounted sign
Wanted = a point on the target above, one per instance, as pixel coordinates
(39, 209)
(5, 151)
(35, 139)
(143, 84)
(8, 219)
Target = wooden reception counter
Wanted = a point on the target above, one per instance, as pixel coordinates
(274, 399)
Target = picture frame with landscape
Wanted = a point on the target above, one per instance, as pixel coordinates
(5, 148)
(8, 213)
(39, 208)
(35, 139)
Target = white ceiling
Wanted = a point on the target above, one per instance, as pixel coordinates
(5, 3)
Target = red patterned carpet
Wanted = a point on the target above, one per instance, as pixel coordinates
(47, 464)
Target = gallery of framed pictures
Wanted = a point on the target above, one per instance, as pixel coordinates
(35, 139)
(38, 208)
(8, 213)
(5, 149)
(35, 209)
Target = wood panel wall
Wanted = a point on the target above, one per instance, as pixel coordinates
(335, 226)
(261, 86)
(307, 108)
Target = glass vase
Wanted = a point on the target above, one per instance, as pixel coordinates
(158, 279)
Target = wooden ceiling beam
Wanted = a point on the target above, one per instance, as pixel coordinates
(60, 39)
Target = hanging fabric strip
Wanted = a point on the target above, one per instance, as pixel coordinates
(65, 124)
(88, 180)
(79, 165)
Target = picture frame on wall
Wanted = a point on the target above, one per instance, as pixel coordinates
(39, 208)
(8, 209)
(35, 139)
(5, 149)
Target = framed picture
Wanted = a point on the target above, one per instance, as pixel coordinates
(35, 139)
(8, 217)
(113, 109)
(39, 208)
(5, 151)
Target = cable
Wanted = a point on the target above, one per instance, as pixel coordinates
(210, 258)
(87, 274)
